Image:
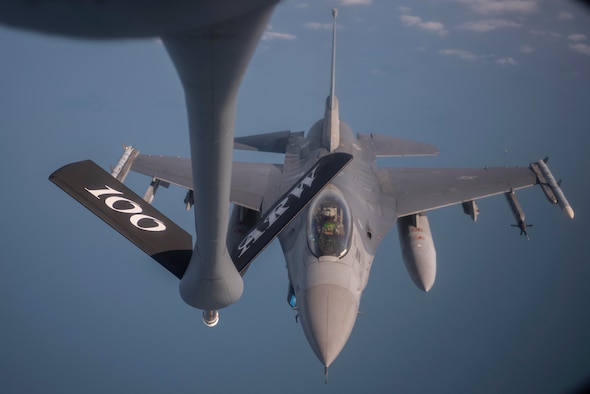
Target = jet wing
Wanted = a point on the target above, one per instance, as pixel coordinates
(249, 182)
(415, 190)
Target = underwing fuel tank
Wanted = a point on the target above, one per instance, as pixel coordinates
(418, 250)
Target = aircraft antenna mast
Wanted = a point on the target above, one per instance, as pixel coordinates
(333, 77)
(331, 132)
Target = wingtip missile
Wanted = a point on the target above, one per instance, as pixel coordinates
(547, 180)
(123, 166)
(569, 212)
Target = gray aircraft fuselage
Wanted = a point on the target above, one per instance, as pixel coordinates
(328, 279)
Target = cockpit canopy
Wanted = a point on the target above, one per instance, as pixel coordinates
(329, 224)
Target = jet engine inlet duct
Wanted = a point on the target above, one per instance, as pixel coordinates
(418, 250)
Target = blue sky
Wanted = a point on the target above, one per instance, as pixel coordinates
(489, 82)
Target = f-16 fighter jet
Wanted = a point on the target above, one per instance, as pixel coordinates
(328, 202)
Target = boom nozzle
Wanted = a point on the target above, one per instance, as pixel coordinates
(211, 318)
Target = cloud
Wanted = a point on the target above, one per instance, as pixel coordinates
(565, 16)
(473, 58)
(506, 61)
(577, 37)
(410, 20)
(416, 21)
(581, 48)
(499, 6)
(318, 25)
(346, 3)
(545, 33)
(527, 49)
(488, 25)
(464, 55)
(275, 35)
(405, 10)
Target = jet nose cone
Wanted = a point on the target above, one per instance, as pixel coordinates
(327, 313)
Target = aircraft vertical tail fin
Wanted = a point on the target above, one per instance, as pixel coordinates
(331, 136)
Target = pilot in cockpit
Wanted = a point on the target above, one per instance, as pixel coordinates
(329, 220)
(329, 241)
(329, 225)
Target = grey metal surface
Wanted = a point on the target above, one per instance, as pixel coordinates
(115, 19)
(211, 63)
(250, 182)
(422, 189)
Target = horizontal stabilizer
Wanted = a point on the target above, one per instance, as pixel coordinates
(287, 208)
(127, 213)
(386, 146)
(269, 142)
